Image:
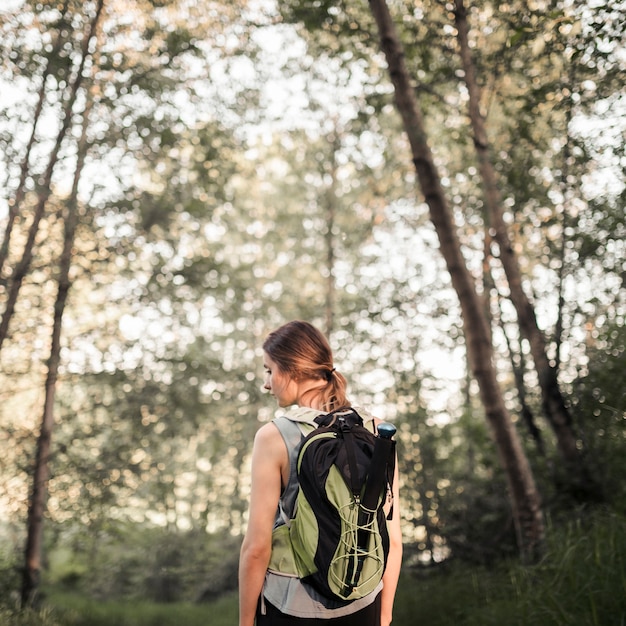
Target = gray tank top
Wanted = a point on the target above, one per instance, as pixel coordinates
(288, 593)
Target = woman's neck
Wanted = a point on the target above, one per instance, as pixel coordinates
(309, 395)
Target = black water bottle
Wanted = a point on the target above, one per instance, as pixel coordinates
(377, 475)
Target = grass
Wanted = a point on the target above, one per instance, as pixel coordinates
(581, 581)
(220, 613)
(69, 609)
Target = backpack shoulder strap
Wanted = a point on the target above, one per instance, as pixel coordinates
(303, 415)
(369, 421)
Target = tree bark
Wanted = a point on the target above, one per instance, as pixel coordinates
(331, 209)
(525, 498)
(41, 474)
(30, 581)
(518, 367)
(45, 190)
(567, 222)
(553, 402)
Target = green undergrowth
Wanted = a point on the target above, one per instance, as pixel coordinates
(70, 609)
(580, 581)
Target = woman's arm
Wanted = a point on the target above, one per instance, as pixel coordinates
(394, 558)
(269, 453)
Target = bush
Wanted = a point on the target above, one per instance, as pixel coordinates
(147, 563)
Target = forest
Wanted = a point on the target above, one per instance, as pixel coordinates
(438, 185)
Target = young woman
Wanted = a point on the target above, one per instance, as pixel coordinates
(299, 373)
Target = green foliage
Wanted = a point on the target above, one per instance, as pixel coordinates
(205, 232)
(83, 612)
(35, 617)
(599, 407)
(66, 609)
(579, 582)
(462, 492)
(132, 562)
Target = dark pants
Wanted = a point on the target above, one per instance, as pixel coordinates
(369, 616)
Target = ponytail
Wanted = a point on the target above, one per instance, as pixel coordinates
(333, 395)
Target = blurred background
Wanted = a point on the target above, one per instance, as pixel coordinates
(180, 177)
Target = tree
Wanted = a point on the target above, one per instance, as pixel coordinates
(524, 495)
(45, 188)
(20, 191)
(553, 401)
(41, 471)
(212, 200)
(117, 125)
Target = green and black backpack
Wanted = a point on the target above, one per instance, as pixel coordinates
(336, 539)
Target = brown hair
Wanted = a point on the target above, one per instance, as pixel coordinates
(302, 352)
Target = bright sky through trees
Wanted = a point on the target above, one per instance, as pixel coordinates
(209, 191)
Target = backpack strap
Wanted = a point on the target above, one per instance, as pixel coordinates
(348, 438)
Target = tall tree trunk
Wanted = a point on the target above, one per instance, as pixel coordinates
(567, 221)
(41, 474)
(525, 498)
(331, 210)
(518, 367)
(516, 356)
(553, 402)
(23, 265)
(20, 191)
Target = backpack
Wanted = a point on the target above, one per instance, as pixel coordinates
(336, 537)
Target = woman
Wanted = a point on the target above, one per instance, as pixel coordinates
(299, 371)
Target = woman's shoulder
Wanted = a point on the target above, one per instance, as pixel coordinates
(267, 435)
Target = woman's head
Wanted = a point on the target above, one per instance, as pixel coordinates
(305, 361)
